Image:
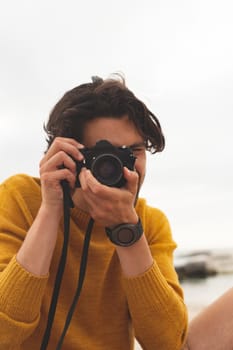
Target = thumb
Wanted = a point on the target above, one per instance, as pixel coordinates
(132, 179)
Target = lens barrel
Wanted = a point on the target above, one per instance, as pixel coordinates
(107, 169)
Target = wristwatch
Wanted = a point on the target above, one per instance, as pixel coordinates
(125, 234)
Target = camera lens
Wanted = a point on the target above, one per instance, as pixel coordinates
(107, 169)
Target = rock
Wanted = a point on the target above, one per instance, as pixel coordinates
(204, 263)
(195, 266)
(200, 269)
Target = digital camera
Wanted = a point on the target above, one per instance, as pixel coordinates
(106, 163)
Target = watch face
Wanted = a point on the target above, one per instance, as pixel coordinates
(125, 235)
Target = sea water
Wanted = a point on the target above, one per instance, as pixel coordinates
(198, 293)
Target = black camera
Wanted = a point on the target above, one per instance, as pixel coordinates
(106, 163)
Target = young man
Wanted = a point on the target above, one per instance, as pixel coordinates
(130, 287)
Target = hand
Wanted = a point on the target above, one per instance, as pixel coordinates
(110, 206)
(58, 164)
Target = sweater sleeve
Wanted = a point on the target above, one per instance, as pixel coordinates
(155, 298)
(20, 300)
(20, 291)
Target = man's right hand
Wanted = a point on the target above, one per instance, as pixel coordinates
(58, 164)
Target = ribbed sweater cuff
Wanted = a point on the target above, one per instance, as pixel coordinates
(149, 289)
(21, 292)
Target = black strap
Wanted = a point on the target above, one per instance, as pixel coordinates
(61, 267)
(68, 203)
(82, 271)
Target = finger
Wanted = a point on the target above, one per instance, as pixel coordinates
(69, 146)
(58, 161)
(92, 186)
(53, 179)
(132, 179)
(69, 141)
(87, 180)
(95, 195)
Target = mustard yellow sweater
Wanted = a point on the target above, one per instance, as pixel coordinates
(112, 309)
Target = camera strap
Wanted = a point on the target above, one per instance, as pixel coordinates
(68, 203)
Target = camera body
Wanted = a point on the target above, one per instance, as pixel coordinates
(106, 163)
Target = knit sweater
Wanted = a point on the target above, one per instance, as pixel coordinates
(112, 309)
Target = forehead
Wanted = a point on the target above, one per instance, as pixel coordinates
(118, 131)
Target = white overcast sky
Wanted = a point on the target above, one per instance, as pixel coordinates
(176, 55)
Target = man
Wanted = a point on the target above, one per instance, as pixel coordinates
(130, 287)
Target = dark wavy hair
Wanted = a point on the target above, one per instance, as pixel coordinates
(102, 98)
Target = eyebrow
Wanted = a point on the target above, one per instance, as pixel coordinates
(138, 144)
